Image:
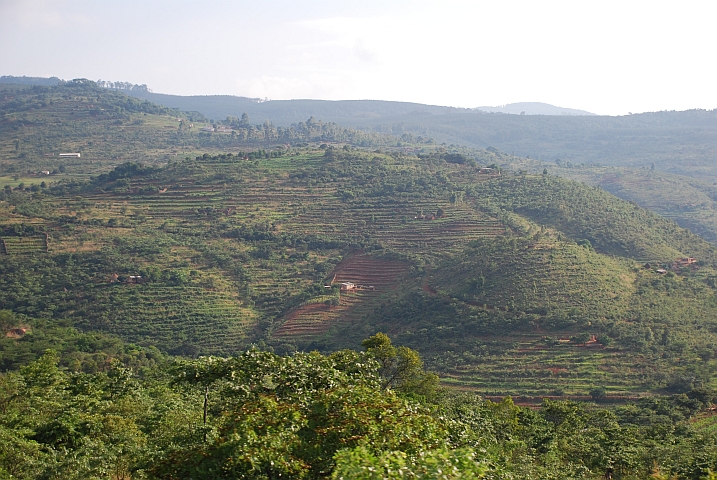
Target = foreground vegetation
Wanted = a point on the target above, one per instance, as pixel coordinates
(371, 414)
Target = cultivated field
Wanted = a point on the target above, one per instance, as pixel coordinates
(377, 280)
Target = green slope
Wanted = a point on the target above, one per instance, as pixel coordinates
(513, 313)
(553, 278)
(611, 225)
(491, 274)
(688, 201)
(38, 123)
(108, 127)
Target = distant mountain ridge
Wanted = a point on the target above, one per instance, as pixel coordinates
(286, 112)
(679, 142)
(534, 108)
(46, 82)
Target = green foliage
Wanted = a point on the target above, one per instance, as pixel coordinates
(598, 393)
(229, 247)
(581, 212)
(400, 368)
(433, 464)
(232, 251)
(316, 416)
(290, 415)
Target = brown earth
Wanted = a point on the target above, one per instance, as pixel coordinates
(316, 318)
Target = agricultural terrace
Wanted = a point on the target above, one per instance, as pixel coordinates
(23, 245)
(376, 280)
(546, 317)
(239, 241)
(468, 267)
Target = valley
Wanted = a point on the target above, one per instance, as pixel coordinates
(509, 284)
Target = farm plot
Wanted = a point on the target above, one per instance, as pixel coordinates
(210, 322)
(459, 226)
(23, 245)
(362, 270)
(533, 369)
(273, 283)
(705, 422)
(191, 201)
(180, 202)
(544, 274)
(399, 225)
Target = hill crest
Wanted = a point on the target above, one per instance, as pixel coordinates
(534, 108)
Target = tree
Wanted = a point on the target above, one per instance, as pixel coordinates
(287, 417)
(598, 393)
(401, 368)
(582, 337)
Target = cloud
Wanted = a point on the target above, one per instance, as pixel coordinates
(364, 53)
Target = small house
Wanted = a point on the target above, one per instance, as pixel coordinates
(348, 286)
(661, 271)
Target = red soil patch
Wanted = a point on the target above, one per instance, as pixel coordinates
(426, 287)
(17, 332)
(317, 318)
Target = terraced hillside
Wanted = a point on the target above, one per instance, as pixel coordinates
(534, 369)
(550, 329)
(617, 228)
(255, 236)
(376, 280)
(555, 278)
(688, 201)
(515, 284)
(185, 320)
(27, 245)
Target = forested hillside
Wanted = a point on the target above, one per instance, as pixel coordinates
(370, 414)
(676, 142)
(688, 201)
(158, 294)
(108, 127)
(617, 227)
(207, 255)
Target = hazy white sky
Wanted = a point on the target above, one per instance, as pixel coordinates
(608, 57)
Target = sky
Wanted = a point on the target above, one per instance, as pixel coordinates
(606, 57)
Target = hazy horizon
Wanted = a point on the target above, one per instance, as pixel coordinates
(609, 58)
